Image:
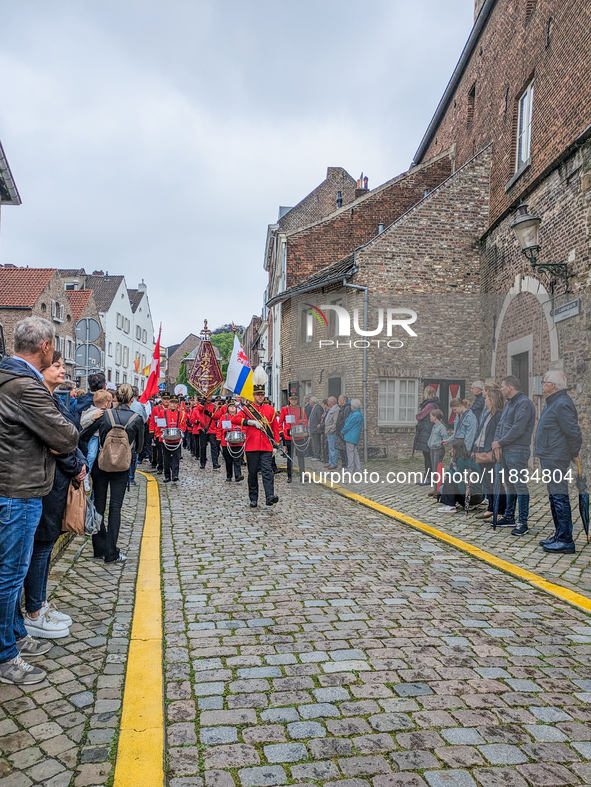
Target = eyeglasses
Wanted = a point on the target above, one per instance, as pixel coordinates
(547, 382)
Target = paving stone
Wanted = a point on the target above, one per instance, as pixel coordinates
(327, 748)
(502, 754)
(451, 778)
(419, 740)
(279, 715)
(550, 752)
(45, 770)
(234, 756)
(547, 775)
(583, 747)
(268, 733)
(350, 726)
(333, 694)
(306, 729)
(265, 776)
(550, 714)
(369, 744)
(285, 752)
(364, 766)
(216, 778)
(498, 777)
(320, 710)
(412, 689)
(226, 717)
(462, 735)
(315, 771)
(399, 780)
(460, 756)
(213, 735)
(387, 722)
(545, 732)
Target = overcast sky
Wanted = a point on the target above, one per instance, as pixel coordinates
(156, 139)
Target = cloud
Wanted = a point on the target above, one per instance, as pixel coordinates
(158, 139)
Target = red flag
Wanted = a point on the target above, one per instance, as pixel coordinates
(152, 384)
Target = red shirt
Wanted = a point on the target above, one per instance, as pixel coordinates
(157, 412)
(300, 418)
(256, 439)
(176, 419)
(222, 431)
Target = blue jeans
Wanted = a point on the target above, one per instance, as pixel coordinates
(18, 522)
(93, 449)
(517, 490)
(333, 454)
(37, 575)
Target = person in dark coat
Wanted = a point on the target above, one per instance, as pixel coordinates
(423, 430)
(345, 409)
(512, 442)
(96, 382)
(105, 541)
(42, 619)
(478, 404)
(314, 419)
(557, 443)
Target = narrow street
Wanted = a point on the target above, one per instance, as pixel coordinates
(314, 642)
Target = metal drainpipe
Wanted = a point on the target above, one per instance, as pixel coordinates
(364, 378)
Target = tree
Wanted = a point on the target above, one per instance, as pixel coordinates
(227, 328)
(224, 342)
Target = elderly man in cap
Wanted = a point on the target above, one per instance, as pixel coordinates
(557, 444)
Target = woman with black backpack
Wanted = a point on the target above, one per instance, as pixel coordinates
(120, 430)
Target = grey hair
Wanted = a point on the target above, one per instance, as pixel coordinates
(478, 384)
(313, 400)
(30, 333)
(557, 377)
(355, 404)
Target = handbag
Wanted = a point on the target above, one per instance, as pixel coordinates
(484, 457)
(339, 443)
(75, 511)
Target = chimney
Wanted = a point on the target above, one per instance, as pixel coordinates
(477, 6)
(142, 286)
(362, 186)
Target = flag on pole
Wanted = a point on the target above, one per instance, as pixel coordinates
(206, 374)
(239, 374)
(152, 384)
(136, 365)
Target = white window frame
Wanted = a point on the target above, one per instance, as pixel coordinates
(119, 321)
(118, 354)
(125, 356)
(138, 332)
(390, 389)
(110, 349)
(524, 116)
(126, 325)
(145, 337)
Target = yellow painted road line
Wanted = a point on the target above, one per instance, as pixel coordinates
(140, 754)
(576, 599)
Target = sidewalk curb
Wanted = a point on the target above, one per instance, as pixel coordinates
(140, 754)
(570, 596)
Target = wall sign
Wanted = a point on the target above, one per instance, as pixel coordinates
(567, 310)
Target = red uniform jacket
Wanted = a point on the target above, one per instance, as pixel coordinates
(299, 415)
(159, 411)
(195, 420)
(208, 416)
(256, 439)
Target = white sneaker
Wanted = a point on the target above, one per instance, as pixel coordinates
(87, 484)
(447, 510)
(50, 607)
(46, 627)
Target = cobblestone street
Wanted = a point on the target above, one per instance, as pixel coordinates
(314, 642)
(572, 571)
(317, 642)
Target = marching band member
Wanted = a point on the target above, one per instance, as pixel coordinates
(158, 417)
(208, 414)
(288, 417)
(175, 419)
(261, 428)
(225, 425)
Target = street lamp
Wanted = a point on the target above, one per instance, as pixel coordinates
(527, 231)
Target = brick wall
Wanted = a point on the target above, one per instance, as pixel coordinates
(552, 45)
(321, 201)
(315, 247)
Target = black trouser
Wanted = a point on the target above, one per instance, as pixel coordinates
(259, 460)
(171, 463)
(232, 462)
(157, 457)
(147, 449)
(289, 444)
(428, 467)
(105, 541)
(315, 445)
(204, 439)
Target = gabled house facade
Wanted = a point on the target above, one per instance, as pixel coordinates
(38, 292)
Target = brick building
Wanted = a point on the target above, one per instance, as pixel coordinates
(523, 83)
(252, 341)
(298, 250)
(39, 292)
(412, 264)
(176, 353)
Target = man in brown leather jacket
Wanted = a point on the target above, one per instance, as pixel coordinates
(32, 432)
